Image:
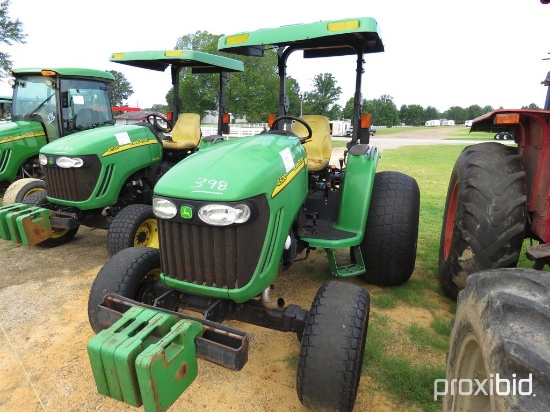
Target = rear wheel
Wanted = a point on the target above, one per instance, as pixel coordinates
(485, 212)
(133, 273)
(333, 346)
(500, 342)
(59, 236)
(135, 225)
(20, 189)
(391, 230)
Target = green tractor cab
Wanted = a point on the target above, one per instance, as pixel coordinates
(104, 177)
(226, 232)
(46, 104)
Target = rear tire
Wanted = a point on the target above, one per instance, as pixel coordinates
(20, 189)
(332, 348)
(485, 212)
(501, 327)
(391, 230)
(133, 273)
(59, 236)
(135, 225)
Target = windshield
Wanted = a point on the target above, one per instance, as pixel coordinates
(84, 104)
(77, 105)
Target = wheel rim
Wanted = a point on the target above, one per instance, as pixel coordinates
(450, 221)
(147, 234)
(150, 287)
(470, 366)
(58, 233)
(36, 189)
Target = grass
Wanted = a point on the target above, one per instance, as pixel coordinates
(407, 369)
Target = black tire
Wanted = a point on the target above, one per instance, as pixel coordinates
(135, 225)
(501, 327)
(133, 273)
(485, 214)
(333, 346)
(20, 189)
(391, 231)
(59, 237)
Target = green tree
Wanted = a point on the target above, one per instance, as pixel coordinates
(532, 106)
(431, 113)
(456, 113)
(252, 94)
(412, 115)
(347, 111)
(383, 111)
(322, 99)
(119, 90)
(474, 111)
(11, 31)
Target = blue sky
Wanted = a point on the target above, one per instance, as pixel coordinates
(440, 53)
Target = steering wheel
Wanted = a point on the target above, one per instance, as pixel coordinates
(152, 119)
(297, 119)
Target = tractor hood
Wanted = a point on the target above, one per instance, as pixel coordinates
(236, 169)
(11, 132)
(103, 141)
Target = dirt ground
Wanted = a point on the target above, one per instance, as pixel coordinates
(44, 331)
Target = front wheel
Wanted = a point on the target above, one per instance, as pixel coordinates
(499, 352)
(333, 347)
(485, 213)
(135, 225)
(133, 273)
(20, 189)
(391, 231)
(59, 236)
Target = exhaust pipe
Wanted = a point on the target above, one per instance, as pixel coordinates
(270, 303)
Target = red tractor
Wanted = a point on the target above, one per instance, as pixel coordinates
(499, 196)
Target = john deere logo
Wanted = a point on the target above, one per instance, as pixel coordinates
(186, 212)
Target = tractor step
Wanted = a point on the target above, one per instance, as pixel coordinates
(25, 224)
(540, 254)
(347, 270)
(146, 358)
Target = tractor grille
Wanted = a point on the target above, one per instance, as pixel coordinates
(4, 158)
(74, 184)
(223, 257)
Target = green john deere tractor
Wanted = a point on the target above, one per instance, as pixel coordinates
(44, 107)
(225, 233)
(104, 177)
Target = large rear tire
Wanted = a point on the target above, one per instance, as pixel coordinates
(485, 211)
(333, 346)
(133, 273)
(20, 189)
(391, 230)
(59, 236)
(500, 333)
(135, 225)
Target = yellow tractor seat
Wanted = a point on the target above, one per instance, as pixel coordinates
(319, 146)
(186, 134)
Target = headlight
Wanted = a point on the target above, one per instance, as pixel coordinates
(42, 159)
(68, 162)
(223, 215)
(163, 208)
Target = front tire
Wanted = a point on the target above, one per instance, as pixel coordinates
(333, 346)
(500, 332)
(485, 212)
(20, 189)
(391, 231)
(135, 225)
(59, 236)
(133, 273)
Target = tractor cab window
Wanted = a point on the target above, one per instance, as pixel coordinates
(35, 99)
(84, 105)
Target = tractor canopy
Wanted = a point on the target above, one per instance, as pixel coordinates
(331, 38)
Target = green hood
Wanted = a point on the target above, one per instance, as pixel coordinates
(236, 169)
